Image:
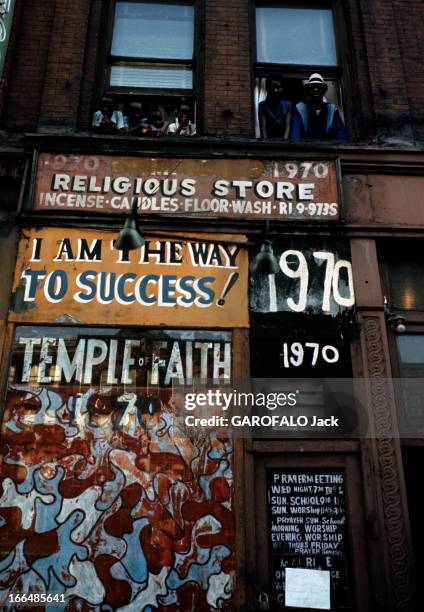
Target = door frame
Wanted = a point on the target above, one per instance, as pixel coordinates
(297, 454)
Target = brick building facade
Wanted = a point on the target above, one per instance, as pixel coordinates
(187, 526)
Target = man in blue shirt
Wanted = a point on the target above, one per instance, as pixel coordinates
(317, 119)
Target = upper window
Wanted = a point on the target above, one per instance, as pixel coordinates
(152, 46)
(292, 35)
(295, 40)
(150, 85)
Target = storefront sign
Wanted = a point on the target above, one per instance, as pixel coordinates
(307, 528)
(76, 276)
(285, 190)
(315, 277)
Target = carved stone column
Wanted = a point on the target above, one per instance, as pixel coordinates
(384, 488)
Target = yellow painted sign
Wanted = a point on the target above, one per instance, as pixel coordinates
(76, 276)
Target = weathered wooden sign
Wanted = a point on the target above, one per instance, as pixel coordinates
(307, 528)
(76, 276)
(291, 190)
(103, 357)
(315, 277)
(93, 469)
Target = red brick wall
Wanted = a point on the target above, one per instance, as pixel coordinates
(353, 54)
(227, 83)
(91, 78)
(385, 67)
(4, 77)
(410, 31)
(26, 79)
(53, 77)
(62, 87)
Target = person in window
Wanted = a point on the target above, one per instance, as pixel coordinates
(157, 125)
(183, 125)
(108, 120)
(138, 120)
(122, 108)
(102, 118)
(274, 112)
(317, 119)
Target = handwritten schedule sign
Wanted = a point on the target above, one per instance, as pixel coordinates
(307, 529)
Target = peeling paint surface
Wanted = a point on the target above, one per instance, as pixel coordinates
(112, 504)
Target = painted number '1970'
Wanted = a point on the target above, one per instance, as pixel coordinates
(305, 170)
(296, 354)
(294, 265)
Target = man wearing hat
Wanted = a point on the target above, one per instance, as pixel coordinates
(317, 119)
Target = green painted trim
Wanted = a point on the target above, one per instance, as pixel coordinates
(7, 8)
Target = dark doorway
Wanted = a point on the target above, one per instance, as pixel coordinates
(413, 465)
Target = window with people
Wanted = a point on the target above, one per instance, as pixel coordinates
(135, 118)
(298, 92)
(150, 83)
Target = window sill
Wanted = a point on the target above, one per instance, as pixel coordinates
(62, 138)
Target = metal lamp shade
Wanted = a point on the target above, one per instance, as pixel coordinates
(129, 238)
(265, 262)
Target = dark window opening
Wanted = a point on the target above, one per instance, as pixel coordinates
(402, 271)
(295, 41)
(413, 465)
(150, 76)
(137, 115)
(405, 270)
(11, 175)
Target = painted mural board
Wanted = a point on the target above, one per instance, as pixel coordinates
(303, 189)
(76, 276)
(106, 502)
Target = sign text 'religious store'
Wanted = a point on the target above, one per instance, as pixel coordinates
(300, 190)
